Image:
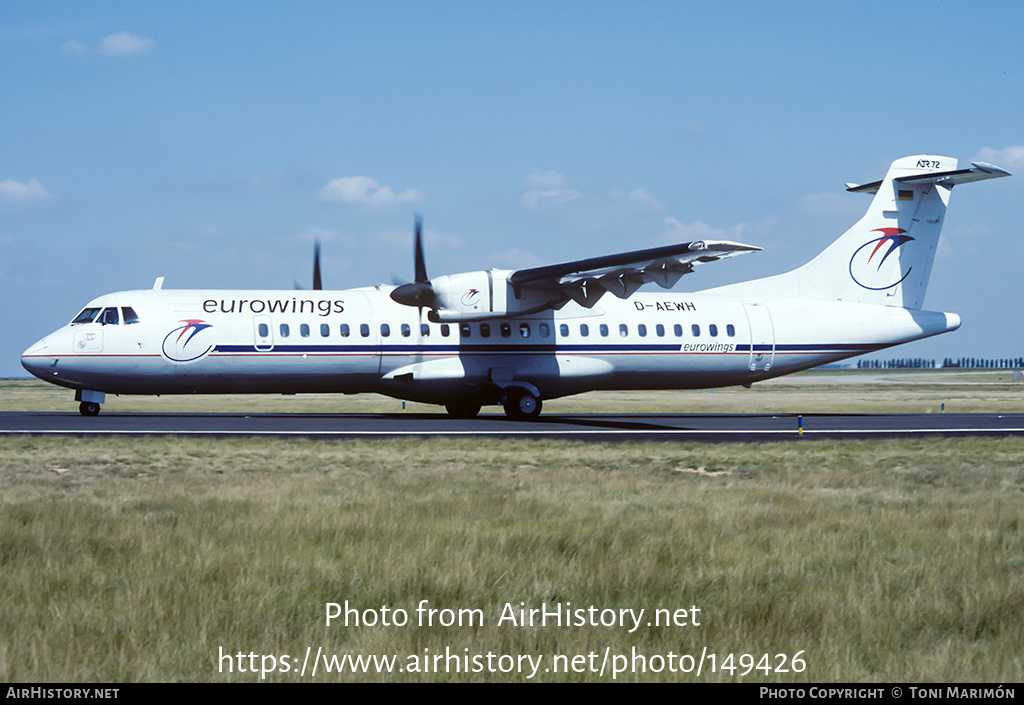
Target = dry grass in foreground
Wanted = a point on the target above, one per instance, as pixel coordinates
(139, 560)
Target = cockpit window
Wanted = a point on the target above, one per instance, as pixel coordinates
(86, 316)
(129, 315)
(109, 317)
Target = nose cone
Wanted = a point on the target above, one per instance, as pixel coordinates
(35, 359)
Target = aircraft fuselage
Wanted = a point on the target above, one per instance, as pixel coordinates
(358, 340)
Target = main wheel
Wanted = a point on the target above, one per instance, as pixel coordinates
(462, 410)
(520, 405)
(89, 408)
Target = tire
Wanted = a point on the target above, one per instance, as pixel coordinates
(462, 410)
(520, 405)
(89, 408)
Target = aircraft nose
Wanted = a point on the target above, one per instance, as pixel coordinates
(35, 359)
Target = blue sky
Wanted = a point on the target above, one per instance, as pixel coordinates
(211, 143)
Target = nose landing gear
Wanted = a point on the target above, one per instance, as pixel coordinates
(90, 401)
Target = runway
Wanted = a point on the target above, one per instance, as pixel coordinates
(712, 428)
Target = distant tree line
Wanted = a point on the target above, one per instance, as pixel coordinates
(976, 363)
(920, 363)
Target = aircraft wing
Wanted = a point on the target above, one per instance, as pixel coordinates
(585, 281)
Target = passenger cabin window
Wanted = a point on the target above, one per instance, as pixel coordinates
(604, 330)
(110, 317)
(545, 330)
(325, 330)
(285, 330)
(129, 315)
(506, 330)
(86, 316)
(264, 330)
(424, 329)
(642, 330)
(344, 330)
(304, 330)
(584, 330)
(445, 330)
(730, 330)
(695, 329)
(623, 330)
(406, 330)
(464, 330)
(563, 330)
(660, 330)
(713, 330)
(678, 330)
(385, 330)
(524, 330)
(364, 330)
(485, 330)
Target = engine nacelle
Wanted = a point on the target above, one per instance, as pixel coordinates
(474, 296)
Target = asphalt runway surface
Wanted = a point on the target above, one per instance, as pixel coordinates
(743, 428)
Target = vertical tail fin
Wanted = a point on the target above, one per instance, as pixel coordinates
(886, 258)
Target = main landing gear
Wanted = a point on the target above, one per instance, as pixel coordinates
(89, 408)
(521, 405)
(462, 410)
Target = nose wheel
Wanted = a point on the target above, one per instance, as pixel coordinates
(89, 408)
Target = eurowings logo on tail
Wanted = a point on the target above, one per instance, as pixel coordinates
(179, 346)
(866, 262)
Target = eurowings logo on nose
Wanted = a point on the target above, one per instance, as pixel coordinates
(179, 346)
(866, 263)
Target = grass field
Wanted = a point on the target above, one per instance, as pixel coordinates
(149, 559)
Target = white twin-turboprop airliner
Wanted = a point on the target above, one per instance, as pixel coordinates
(516, 338)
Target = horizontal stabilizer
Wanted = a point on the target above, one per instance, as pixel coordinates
(978, 172)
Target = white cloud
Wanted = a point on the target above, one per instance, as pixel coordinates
(699, 230)
(547, 186)
(363, 190)
(14, 193)
(124, 43)
(1008, 158)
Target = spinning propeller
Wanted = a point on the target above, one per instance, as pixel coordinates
(317, 285)
(419, 293)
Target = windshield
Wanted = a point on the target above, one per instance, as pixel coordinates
(86, 316)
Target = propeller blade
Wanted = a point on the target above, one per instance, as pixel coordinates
(317, 285)
(419, 293)
(421, 264)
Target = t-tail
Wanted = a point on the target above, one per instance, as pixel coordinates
(886, 258)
